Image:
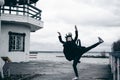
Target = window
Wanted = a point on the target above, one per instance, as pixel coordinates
(16, 41)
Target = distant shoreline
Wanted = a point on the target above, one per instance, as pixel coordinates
(62, 52)
(46, 51)
(90, 56)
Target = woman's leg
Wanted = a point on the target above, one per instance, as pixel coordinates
(94, 45)
(81, 50)
(75, 62)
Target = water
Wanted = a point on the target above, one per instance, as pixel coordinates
(59, 57)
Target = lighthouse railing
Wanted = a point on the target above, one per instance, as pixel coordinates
(115, 64)
(23, 10)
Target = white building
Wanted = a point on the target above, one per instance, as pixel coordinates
(17, 20)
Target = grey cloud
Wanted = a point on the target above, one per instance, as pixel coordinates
(110, 21)
(39, 46)
(95, 20)
(62, 15)
(92, 12)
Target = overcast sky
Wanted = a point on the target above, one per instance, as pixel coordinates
(93, 18)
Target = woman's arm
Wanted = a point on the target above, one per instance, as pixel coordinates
(60, 38)
(76, 33)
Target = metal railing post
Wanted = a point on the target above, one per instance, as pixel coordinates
(23, 9)
(118, 70)
(0, 10)
(113, 68)
(3, 10)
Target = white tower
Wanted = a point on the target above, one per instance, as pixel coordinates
(18, 18)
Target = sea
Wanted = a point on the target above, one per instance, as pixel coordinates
(59, 57)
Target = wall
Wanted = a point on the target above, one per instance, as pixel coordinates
(14, 27)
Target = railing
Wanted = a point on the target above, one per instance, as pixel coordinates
(115, 65)
(24, 10)
(33, 56)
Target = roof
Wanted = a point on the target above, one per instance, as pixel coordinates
(20, 2)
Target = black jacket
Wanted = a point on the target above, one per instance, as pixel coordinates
(70, 47)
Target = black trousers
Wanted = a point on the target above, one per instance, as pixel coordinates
(81, 51)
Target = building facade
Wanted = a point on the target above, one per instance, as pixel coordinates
(17, 20)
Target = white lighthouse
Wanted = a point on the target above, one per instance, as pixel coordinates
(18, 18)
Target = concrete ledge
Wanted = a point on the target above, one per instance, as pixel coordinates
(33, 23)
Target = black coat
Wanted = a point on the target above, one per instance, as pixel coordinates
(72, 51)
(70, 47)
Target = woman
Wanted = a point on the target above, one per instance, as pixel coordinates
(73, 49)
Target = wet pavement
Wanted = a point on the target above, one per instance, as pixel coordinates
(51, 70)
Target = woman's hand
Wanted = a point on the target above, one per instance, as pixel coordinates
(59, 33)
(75, 28)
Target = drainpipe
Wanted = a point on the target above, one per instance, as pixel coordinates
(1, 61)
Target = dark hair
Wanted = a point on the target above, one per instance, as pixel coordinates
(68, 35)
